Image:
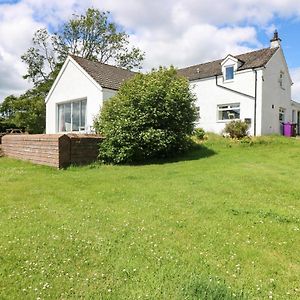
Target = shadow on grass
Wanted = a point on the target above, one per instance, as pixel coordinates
(196, 152)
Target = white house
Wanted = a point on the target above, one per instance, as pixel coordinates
(254, 86)
(78, 93)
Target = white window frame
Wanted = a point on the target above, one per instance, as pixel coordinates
(226, 107)
(281, 114)
(81, 129)
(230, 79)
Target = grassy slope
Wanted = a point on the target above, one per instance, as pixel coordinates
(224, 224)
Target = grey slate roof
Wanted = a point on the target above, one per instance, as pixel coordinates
(112, 77)
(107, 76)
(254, 59)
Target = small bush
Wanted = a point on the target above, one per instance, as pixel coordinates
(199, 133)
(237, 129)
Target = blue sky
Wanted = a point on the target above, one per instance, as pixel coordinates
(8, 1)
(289, 33)
(174, 32)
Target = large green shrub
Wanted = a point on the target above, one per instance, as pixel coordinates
(150, 117)
(237, 129)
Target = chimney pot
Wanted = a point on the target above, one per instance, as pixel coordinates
(275, 41)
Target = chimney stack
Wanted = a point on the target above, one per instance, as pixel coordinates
(275, 41)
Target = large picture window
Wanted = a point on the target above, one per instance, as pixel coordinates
(71, 116)
(229, 111)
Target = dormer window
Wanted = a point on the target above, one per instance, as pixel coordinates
(229, 73)
(230, 65)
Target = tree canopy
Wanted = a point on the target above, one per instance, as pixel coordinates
(150, 117)
(28, 111)
(92, 35)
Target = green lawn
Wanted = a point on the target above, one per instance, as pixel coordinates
(224, 222)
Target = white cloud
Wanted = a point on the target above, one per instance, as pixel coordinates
(170, 31)
(157, 13)
(55, 11)
(16, 29)
(295, 73)
(10, 73)
(195, 45)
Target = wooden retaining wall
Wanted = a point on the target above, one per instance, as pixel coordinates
(56, 150)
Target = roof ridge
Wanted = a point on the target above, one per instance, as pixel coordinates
(220, 59)
(259, 50)
(251, 59)
(101, 63)
(201, 64)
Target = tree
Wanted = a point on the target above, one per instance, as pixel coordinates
(6, 111)
(150, 117)
(28, 111)
(41, 59)
(92, 36)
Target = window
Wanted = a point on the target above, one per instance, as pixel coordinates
(293, 116)
(71, 116)
(229, 111)
(281, 114)
(281, 76)
(229, 73)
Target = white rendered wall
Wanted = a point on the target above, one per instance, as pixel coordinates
(275, 96)
(107, 93)
(73, 85)
(209, 96)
